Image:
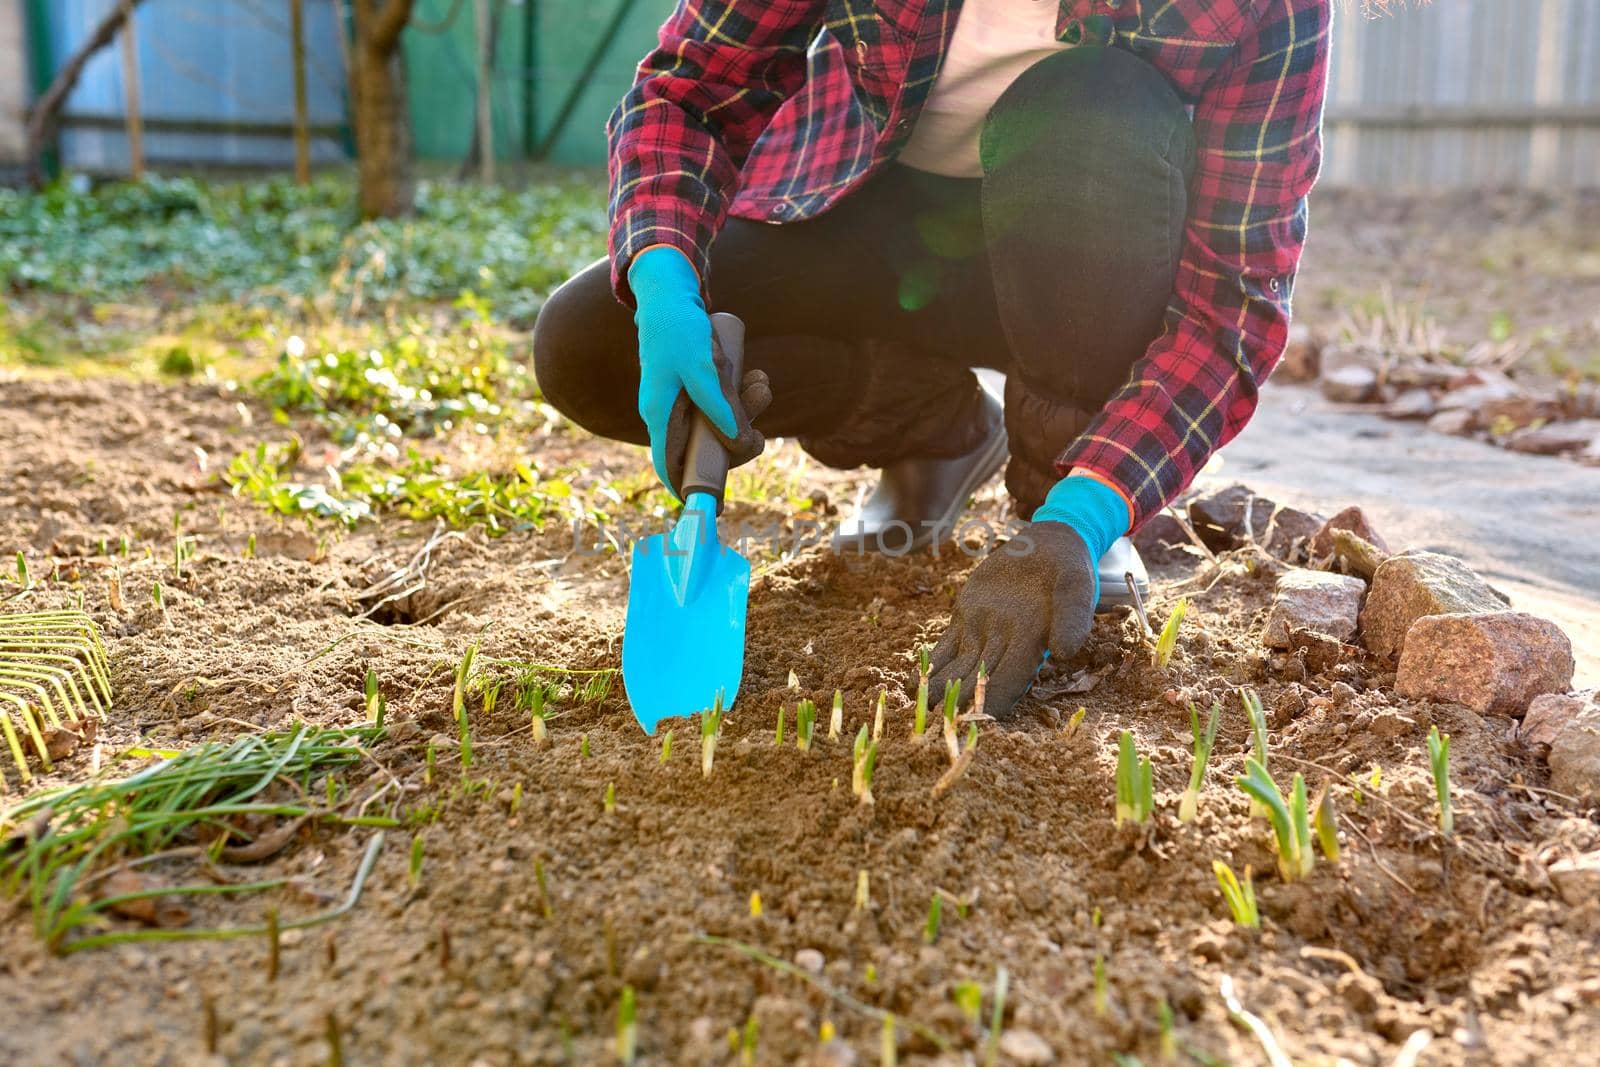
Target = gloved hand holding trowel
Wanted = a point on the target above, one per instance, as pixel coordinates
(1116, 233)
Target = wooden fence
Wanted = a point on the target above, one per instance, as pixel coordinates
(1456, 93)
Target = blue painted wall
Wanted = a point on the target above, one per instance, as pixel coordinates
(201, 59)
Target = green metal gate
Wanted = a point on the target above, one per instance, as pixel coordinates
(560, 66)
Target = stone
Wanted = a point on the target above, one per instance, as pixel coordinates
(1349, 385)
(1355, 521)
(1414, 584)
(1512, 413)
(1554, 438)
(1220, 517)
(1289, 530)
(1313, 600)
(1549, 714)
(1025, 1047)
(1452, 422)
(1577, 878)
(1420, 374)
(1575, 753)
(1161, 539)
(1359, 557)
(1319, 651)
(1417, 403)
(1491, 662)
(809, 959)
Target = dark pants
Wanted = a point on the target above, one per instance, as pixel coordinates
(1055, 267)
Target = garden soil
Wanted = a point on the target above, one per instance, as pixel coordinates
(1465, 941)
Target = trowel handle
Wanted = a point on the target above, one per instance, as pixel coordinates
(705, 464)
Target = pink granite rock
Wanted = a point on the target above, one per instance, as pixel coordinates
(1489, 661)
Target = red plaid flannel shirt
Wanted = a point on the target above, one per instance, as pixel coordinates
(774, 109)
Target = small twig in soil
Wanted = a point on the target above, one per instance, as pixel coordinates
(828, 990)
(1138, 606)
(1188, 529)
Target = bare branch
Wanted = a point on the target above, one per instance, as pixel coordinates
(42, 119)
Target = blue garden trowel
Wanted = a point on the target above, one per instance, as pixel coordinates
(683, 643)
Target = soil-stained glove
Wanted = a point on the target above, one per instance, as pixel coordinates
(678, 371)
(1032, 595)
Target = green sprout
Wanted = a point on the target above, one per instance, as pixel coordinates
(1189, 806)
(930, 929)
(919, 724)
(23, 578)
(777, 736)
(250, 546)
(627, 1028)
(459, 703)
(1102, 987)
(1290, 819)
(710, 727)
(755, 904)
(516, 799)
(583, 746)
(530, 697)
(980, 689)
(1258, 733)
(1135, 783)
(952, 696)
(805, 722)
(414, 875)
(969, 999)
(1241, 899)
(863, 890)
(864, 760)
(666, 748)
(836, 717)
(1074, 724)
(1164, 1024)
(877, 715)
(375, 701)
(1439, 761)
(157, 598)
(1325, 821)
(609, 803)
(747, 1043)
(888, 1051)
(1168, 641)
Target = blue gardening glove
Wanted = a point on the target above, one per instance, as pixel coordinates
(1034, 595)
(680, 373)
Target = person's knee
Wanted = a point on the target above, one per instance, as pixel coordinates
(1093, 107)
(572, 361)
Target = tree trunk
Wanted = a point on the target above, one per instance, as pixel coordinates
(378, 99)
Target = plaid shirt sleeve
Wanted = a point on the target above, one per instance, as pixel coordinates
(719, 72)
(1258, 130)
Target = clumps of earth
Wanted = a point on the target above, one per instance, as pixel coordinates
(1468, 395)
